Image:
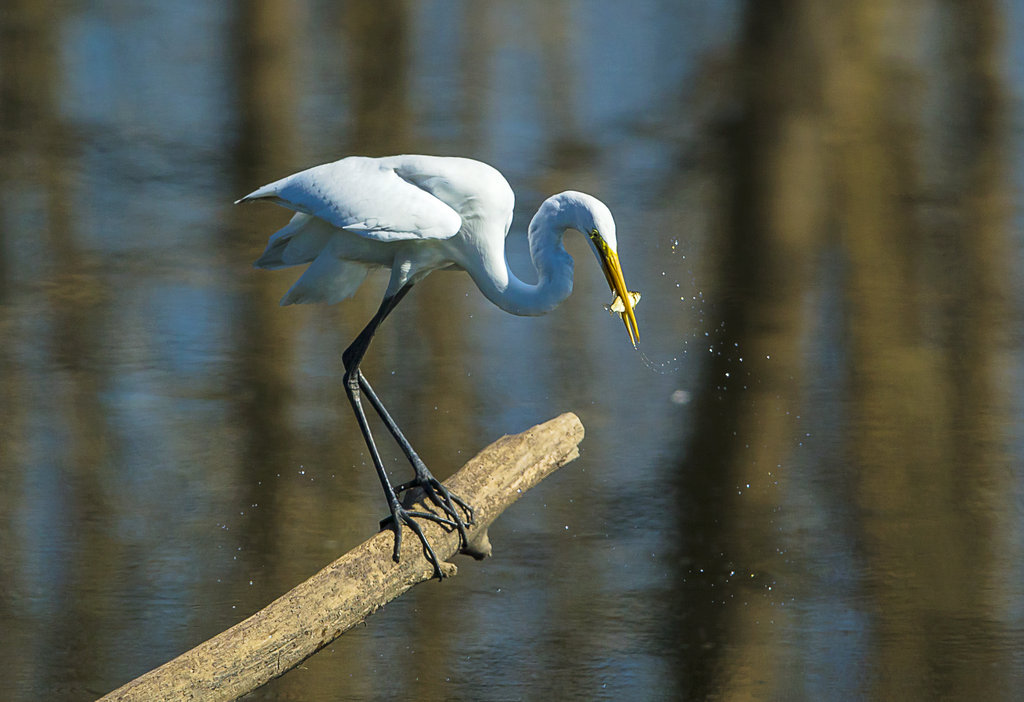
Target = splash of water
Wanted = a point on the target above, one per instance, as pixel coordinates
(672, 365)
(668, 367)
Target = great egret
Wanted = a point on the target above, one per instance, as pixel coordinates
(415, 215)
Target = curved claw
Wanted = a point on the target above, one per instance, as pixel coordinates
(400, 516)
(445, 500)
(470, 512)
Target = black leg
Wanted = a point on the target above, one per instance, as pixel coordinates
(435, 491)
(431, 486)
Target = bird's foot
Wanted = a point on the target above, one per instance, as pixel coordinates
(426, 485)
(399, 516)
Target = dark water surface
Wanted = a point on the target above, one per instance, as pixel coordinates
(809, 486)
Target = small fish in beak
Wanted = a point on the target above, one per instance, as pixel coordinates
(619, 306)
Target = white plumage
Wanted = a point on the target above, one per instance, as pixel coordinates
(414, 215)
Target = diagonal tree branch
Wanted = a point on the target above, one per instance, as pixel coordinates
(307, 618)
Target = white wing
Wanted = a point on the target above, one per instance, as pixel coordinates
(367, 196)
(328, 279)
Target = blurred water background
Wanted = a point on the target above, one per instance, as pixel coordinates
(811, 488)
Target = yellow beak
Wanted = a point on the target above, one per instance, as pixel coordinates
(613, 272)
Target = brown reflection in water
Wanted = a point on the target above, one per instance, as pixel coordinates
(265, 32)
(828, 150)
(924, 301)
(771, 212)
(265, 69)
(36, 161)
(375, 37)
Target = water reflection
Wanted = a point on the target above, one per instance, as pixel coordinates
(863, 257)
(816, 202)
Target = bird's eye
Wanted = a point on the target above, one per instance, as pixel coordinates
(594, 234)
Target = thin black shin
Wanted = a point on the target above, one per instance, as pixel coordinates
(356, 385)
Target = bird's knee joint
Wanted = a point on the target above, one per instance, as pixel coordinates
(351, 381)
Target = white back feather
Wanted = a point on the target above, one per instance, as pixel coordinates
(366, 196)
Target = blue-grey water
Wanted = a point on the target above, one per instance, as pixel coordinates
(809, 485)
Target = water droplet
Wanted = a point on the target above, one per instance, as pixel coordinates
(680, 397)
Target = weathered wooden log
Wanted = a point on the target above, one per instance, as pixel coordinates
(310, 616)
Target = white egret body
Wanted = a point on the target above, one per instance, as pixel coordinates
(413, 215)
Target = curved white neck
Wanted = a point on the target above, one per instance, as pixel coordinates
(553, 263)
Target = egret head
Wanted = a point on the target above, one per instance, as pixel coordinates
(595, 220)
